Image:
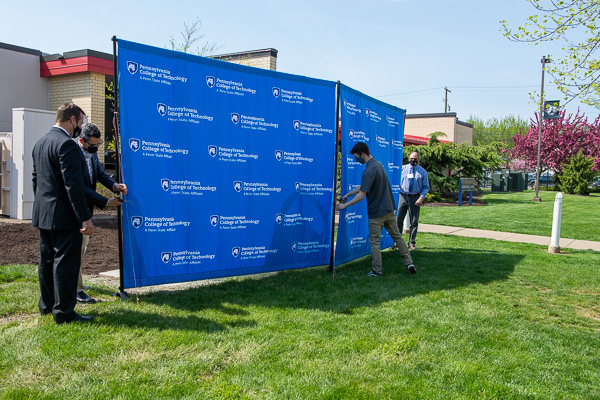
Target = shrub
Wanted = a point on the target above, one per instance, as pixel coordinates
(577, 175)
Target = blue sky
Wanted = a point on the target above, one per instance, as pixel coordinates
(403, 52)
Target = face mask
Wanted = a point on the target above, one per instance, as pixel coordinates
(413, 163)
(91, 149)
(76, 131)
(360, 160)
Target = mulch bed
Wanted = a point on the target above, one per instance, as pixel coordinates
(19, 244)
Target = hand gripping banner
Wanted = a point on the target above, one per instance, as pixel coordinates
(381, 127)
(229, 168)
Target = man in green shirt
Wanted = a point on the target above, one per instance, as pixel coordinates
(380, 207)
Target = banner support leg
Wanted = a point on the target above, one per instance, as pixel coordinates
(335, 179)
(121, 293)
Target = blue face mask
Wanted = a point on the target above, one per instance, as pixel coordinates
(360, 160)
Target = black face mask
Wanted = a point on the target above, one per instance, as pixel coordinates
(91, 149)
(413, 163)
(76, 131)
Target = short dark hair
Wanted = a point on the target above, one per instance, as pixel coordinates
(359, 148)
(67, 110)
(88, 131)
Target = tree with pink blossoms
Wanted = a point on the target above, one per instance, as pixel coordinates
(562, 138)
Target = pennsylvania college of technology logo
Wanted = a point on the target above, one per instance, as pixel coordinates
(134, 144)
(165, 184)
(214, 220)
(237, 185)
(297, 125)
(279, 218)
(297, 186)
(235, 118)
(294, 246)
(212, 150)
(235, 251)
(366, 112)
(132, 67)
(276, 91)
(165, 257)
(210, 81)
(161, 108)
(136, 222)
(279, 155)
(351, 134)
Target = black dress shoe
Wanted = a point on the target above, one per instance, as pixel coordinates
(78, 318)
(45, 311)
(84, 298)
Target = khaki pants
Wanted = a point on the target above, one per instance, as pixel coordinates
(84, 245)
(389, 223)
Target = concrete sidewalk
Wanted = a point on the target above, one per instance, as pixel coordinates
(509, 237)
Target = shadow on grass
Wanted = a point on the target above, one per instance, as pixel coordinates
(490, 200)
(314, 288)
(148, 320)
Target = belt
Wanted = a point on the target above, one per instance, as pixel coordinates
(412, 195)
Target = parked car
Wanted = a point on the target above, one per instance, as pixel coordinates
(546, 178)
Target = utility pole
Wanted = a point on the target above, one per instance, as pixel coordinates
(446, 100)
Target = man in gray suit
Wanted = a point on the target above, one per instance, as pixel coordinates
(61, 214)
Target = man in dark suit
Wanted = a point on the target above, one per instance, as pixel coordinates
(61, 214)
(90, 141)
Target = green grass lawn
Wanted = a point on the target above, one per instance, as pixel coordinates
(481, 319)
(515, 212)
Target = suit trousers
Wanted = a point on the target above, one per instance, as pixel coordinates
(407, 204)
(389, 223)
(60, 259)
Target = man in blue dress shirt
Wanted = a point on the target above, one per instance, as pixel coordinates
(414, 185)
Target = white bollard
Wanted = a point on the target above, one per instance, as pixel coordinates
(554, 241)
(406, 227)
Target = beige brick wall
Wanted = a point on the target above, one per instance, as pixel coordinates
(463, 134)
(267, 62)
(424, 126)
(86, 89)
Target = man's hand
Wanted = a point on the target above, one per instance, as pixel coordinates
(340, 206)
(114, 202)
(120, 187)
(419, 201)
(87, 227)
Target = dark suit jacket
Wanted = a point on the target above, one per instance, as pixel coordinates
(58, 183)
(98, 175)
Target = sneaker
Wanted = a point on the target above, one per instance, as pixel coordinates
(411, 268)
(373, 273)
(412, 247)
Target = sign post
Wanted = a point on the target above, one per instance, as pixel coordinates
(467, 184)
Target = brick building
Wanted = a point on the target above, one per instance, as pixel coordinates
(418, 126)
(32, 79)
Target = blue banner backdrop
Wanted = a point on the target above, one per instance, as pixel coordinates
(229, 168)
(381, 127)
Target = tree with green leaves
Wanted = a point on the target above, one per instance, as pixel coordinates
(575, 24)
(497, 130)
(461, 160)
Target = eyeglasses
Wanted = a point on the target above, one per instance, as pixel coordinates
(95, 145)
